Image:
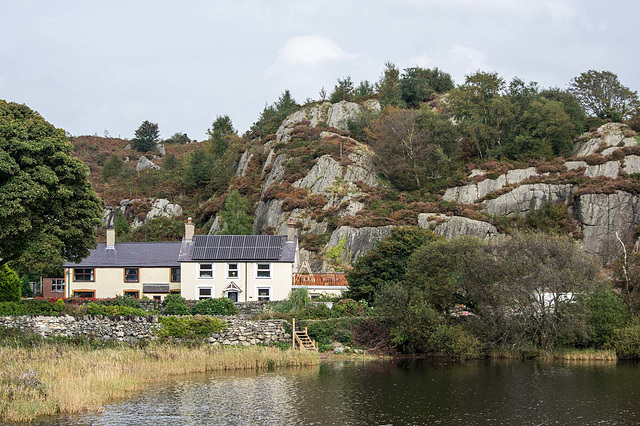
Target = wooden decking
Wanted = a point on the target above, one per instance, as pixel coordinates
(320, 280)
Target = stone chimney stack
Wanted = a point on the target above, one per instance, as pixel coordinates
(189, 229)
(111, 238)
(291, 230)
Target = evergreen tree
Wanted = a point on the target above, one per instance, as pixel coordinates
(365, 88)
(10, 285)
(198, 172)
(236, 215)
(418, 84)
(343, 91)
(389, 92)
(146, 137)
(221, 130)
(273, 115)
(112, 168)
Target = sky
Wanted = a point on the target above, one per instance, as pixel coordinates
(104, 67)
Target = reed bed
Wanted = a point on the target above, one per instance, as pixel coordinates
(53, 378)
(558, 355)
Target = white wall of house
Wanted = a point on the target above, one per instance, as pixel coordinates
(110, 282)
(195, 279)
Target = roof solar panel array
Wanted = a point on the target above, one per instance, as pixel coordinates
(237, 247)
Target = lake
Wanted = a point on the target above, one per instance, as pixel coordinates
(502, 392)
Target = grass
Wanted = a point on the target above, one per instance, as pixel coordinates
(557, 355)
(62, 379)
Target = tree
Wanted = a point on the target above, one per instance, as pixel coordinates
(181, 138)
(571, 106)
(146, 137)
(45, 196)
(236, 215)
(10, 285)
(343, 91)
(365, 88)
(219, 135)
(418, 84)
(112, 168)
(198, 172)
(413, 148)
(389, 92)
(602, 94)
(385, 263)
(273, 115)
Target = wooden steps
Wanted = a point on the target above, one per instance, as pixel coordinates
(301, 339)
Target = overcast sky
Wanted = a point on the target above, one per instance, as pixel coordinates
(90, 66)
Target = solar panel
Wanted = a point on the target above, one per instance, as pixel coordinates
(237, 247)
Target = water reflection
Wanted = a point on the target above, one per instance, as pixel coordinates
(409, 392)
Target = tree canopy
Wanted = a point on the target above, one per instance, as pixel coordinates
(146, 136)
(236, 215)
(602, 94)
(45, 196)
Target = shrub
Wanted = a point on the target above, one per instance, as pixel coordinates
(111, 310)
(607, 312)
(10, 285)
(626, 341)
(59, 306)
(335, 329)
(221, 306)
(190, 327)
(129, 301)
(26, 307)
(174, 304)
(350, 308)
(454, 340)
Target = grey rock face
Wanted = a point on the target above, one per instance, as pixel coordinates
(216, 226)
(527, 197)
(607, 135)
(161, 149)
(602, 215)
(357, 241)
(468, 194)
(164, 208)
(244, 163)
(144, 163)
(456, 226)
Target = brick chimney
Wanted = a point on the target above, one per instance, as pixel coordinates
(189, 229)
(291, 230)
(111, 238)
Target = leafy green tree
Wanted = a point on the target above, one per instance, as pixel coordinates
(45, 196)
(146, 137)
(484, 112)
(602, 94)
(389, 91)
(10, 285)
(198, 172)
(112, 168)
(236, 215)
(571, 106)
(385, 263)
(343, 90)
(219, 135)
(418, 84)
(273, 115)
(607, 313)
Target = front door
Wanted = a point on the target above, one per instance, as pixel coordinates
(233, 295)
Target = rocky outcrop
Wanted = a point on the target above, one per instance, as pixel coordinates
(357, 241)
(468, 194)
(335, 115)
(244, 163)
(144, 163)
(162, 207)
(527, 197)
(604, 215)
(456, 226)
(608, 137)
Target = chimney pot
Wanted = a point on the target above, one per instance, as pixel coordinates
(111, 238)
(291, 230)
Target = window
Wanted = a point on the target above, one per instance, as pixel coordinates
(131, 275)
(204, 293)
(264, 294)
(232, 270)
(83, 274)
(206, 270)
(263, 270)
(84, 293)
(132, 293)
(175, 274)
(57, 285)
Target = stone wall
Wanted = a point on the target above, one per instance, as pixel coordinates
(134, 329)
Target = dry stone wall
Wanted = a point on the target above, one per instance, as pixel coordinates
(239, 332)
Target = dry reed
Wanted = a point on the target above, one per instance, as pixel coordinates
(52, 379)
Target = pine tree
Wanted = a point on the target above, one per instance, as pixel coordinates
(10, 285)
(146, 136)
(389, 92)
(236, 215)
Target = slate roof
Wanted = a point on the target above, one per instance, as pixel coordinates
(132, 255)
(272, 248)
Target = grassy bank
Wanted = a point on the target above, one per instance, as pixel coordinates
(57, 378)
(557, 355)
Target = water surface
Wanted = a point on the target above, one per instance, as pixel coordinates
(409, 392)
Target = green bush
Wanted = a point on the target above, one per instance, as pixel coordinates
(174, 304)
(129, 301)
(189, 327)
(626, 341)
(59, 306)
(10, 285)
(607, 312)
(334, 329)
(26, 307)
(111, 310)
(221, 306)
(454, 340)
(350, 308)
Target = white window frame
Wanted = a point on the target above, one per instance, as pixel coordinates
(258, 288)
(200, 270)
(201, 297)
(237, 271)
(270, 271)
(57, 285)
